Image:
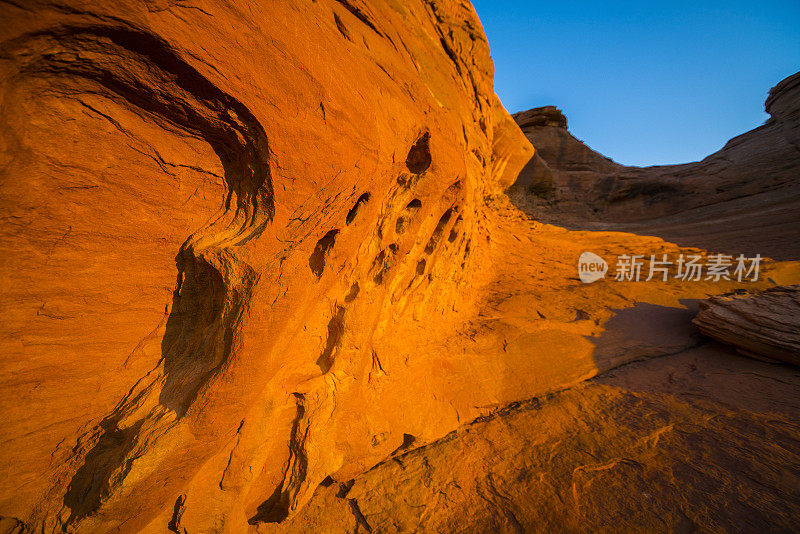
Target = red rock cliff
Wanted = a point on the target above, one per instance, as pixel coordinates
(222, 225)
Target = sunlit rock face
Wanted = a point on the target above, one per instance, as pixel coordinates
(252, 250)
(237, 239)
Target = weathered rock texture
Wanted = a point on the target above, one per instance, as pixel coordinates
(231, 234)
(763, 325)
(251, 249)
(744, 198)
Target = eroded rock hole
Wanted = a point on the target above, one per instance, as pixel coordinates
(317, 259)
(437, 232)
(455, 229)
(202, 303)
(174, 524)
(341, 27)
(408, 441)
(345, 488)
(419, 157)
(407, 180)
(404, 220)
(92, 483)
(353, 293)
(351, 215)
(384, 262)
(335, 332)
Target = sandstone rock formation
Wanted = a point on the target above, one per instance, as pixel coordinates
(763, 325)
(252, 250)
(232, 235)
(744, 198)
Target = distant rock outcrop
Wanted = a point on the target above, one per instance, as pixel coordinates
(744, 198)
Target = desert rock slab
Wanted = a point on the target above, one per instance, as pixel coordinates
(765, 324)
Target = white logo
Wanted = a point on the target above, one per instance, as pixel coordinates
(591, 267)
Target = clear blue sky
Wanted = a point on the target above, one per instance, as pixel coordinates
(644, 83)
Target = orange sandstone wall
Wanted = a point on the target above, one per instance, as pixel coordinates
(237, 241)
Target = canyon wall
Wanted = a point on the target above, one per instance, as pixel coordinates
(233, 237)
(251, 251)
(743, 198)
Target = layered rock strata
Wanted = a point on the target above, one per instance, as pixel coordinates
(764, 325)
(742, 199)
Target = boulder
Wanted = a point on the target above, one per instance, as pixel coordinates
(762, 325)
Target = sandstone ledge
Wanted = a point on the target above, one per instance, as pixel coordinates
(766, 324)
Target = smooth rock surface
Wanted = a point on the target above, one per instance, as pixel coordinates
(684, 443)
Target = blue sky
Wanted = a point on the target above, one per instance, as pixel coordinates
(644, 83)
